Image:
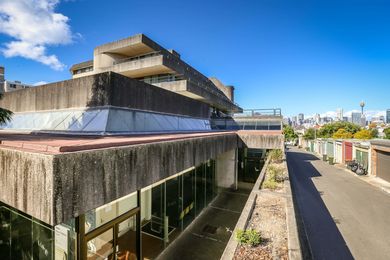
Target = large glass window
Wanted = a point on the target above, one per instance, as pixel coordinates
(188, 197)
(101, 246)
(152, 220)
(168, 207)
(23, 237)
(211, 189)
(200, 188)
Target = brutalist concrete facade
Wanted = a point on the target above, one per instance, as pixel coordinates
(104, 89)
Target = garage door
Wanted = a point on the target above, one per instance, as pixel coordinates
(383, 165)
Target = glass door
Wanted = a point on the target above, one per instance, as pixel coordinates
(115, 240)
(101, 247)
(126, 246)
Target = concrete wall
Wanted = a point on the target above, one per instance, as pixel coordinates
(251, 139)
(26, 182)
(101, 90)
(226, 169)
(86, 180)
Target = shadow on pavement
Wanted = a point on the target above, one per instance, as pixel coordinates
(320, 237)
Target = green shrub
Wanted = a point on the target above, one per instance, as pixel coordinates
(249, 237)
(276, 155)
(275, 173)
(270, 184)
(241, 236)
(254, 237)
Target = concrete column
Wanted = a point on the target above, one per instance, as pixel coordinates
(226, 169)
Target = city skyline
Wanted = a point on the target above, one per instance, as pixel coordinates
(333, 113)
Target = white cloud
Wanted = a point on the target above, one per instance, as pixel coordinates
(39, 83)
(329, 114)
(33, 25)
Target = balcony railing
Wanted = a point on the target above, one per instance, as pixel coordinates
(139, 57)
(277, 112)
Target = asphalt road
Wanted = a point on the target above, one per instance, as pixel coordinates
(343, 217)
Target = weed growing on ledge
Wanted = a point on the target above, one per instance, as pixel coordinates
(248, 237)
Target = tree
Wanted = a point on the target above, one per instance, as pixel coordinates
(387, 133)
(374, 133)
(328, 130)
(342, 134)
(310, 134)
(363, 134)
(289, 133)
(372, 125)
(5, 115)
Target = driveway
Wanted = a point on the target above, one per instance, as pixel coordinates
(342, 216)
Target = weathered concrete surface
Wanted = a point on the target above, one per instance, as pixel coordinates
(57, 187)
(26, 182)
(261, 139)
(60, 182)
(86, 180)
(105, 89)
(226, 169)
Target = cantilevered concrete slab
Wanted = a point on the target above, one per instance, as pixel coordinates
(38, 178)
(138, 56)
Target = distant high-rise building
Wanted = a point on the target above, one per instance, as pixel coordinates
(317, 118)
(294, 121)
(301, 118)
(286, 121)
(388, 116)
(363, 121)
(345, 118)
(356, 118)
(340, 114)
(8, 86)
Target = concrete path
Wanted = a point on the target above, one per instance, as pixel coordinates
(223, 213)
(343, 216)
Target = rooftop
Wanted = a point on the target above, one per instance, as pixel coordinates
(57, 144)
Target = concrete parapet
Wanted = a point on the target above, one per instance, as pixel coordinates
(104, 89)
(26, 182)
(262, 139)
(57, 187)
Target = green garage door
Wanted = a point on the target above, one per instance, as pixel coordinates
(383, 165)
(362, 158)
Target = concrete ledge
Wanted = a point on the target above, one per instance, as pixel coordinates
(294, 246)
(242, 223)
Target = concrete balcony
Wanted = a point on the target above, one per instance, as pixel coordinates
(140, 67)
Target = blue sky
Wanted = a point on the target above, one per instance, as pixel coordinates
(299, 55)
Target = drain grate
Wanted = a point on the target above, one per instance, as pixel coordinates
(209, 229)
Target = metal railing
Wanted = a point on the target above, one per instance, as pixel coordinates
(232, 124)
(139, 57)
(277, 112)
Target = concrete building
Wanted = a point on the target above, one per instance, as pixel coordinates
(388, 116)
(301, 118)
(356, 118)
(317, 118)
(340, 114)
(7, 85)
(105, 166)
(141, 58)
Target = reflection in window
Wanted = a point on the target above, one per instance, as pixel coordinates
(97, 217)
(22, 237)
